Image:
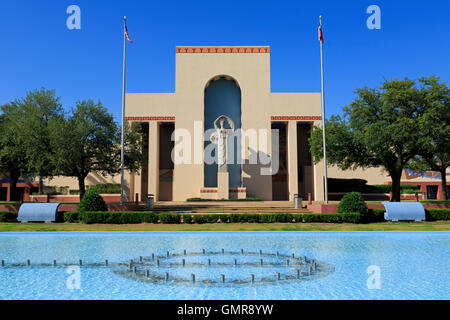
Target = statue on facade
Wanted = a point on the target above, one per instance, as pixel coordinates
(220, 138)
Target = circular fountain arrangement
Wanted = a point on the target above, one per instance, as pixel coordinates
(208, 268)
(218, 268)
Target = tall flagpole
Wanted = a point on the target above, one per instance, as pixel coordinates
(123, 114)
(325, 174)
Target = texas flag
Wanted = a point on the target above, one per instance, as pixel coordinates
(320, 32)
(126, 34)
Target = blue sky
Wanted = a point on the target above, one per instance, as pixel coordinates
(38, 49)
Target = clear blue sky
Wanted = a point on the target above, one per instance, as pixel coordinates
(38, 50)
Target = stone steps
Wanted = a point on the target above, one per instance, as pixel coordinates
(229, 210)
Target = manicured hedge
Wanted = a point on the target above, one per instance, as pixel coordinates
(169, 218)
(221, 200)
(437, 214)
(187, 218)
(71, 217)
(117, 217)
(322, 217)
(404, 188)
(360, 185)
(206, 218)
(373, 215)
(8, 217)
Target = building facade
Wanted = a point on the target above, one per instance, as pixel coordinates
(270, 152)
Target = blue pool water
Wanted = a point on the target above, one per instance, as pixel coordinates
(412, 265)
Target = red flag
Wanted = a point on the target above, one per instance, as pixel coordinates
(126, 34)
(320, 33)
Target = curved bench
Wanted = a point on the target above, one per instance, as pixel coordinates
(38, 212)
(396, 211)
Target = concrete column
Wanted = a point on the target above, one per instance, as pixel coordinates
(153, 158)
(318, 176)
(137, 186)
(130, 181)
(292, 158)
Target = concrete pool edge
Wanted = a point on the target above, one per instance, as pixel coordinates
(288, 227)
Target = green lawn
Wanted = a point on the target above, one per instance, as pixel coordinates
(384, 226)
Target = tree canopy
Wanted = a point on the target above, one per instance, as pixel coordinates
(89, 141)
(13, 157)
(382, 127)
(37, 138)
(434, 151)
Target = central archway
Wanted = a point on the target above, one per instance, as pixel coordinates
(223, 97)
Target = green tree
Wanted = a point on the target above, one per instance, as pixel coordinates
(13, 157)
(39, 108)
(380, 128)
(89, 141)
(434, 153)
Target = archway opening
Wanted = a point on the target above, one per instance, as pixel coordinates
(223, 97)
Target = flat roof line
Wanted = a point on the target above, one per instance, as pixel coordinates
(220, 49)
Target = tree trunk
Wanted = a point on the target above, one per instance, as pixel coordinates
(81, 186)
(41, 186)
(13, 178)
(444, 183)
(396, 178)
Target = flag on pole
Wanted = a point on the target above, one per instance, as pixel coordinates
(126, 34)
(325, 173)
(320, 31)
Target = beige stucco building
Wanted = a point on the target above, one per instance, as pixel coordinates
(270, 157)
(203, 76)
(231, 81)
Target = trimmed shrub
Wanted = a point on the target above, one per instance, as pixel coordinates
(225, 218)
(93, 217)
(118, 217)
(149, 217)
(206, 218)
(169, 218)
(404, 188)
(71, 217)
(92, 201)
(276, 217)
(187, 219)
(268, 218)
(352, 202)
(8, 216)
(360, 185)
(373, 215)
(322, 217)
(332, 217)
(221, 200)
(437, 214)
(131, 218)
(354, 217)
(245, 217)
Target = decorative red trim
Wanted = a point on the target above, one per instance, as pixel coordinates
(214, 190)
(300, 118)
(150, 118)
(222, 49)
(239, 190)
